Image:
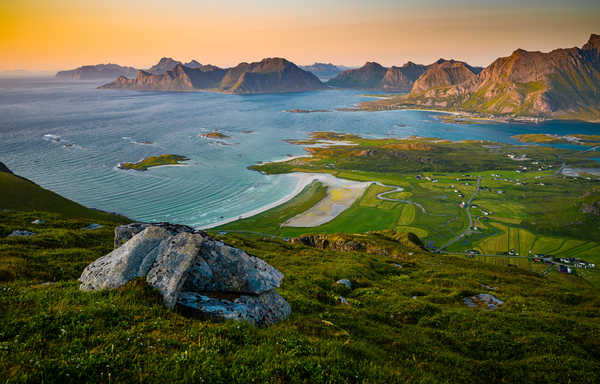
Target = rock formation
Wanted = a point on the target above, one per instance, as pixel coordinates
(443, 73)
(180, 78)
(266, 76)
(164, 65)
(563, 83)
(195, 274)
(402, 78)
(374, 76)
(96, 72)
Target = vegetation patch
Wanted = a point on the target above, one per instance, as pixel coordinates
(154, 161)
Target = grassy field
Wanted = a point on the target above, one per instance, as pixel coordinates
(405, 321)
(401, 325)
(534, 203)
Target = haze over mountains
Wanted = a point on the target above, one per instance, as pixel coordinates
(324, 71)
(268, 75)
(563, 83)
(96, 72)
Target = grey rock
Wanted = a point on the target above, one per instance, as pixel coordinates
(38, 221)
(92, 226)
(261, 310)
(133, 259)
(227, 269)
(345, 282)
(342, 300)
(484, 300)
(176, 255)
(125, 232)
(202, 276)
(21, 232)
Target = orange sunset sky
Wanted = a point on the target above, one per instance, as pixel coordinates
(40, 35)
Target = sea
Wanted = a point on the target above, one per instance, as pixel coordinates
(69, 137)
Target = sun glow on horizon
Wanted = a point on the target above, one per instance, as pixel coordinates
(64, 34)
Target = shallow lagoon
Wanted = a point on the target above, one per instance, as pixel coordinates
(69, 137)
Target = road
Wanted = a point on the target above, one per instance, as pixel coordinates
(397, 188)
(468, 208)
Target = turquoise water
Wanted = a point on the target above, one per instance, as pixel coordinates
(101, 127)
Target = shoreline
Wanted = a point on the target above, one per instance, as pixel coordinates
(303, 181)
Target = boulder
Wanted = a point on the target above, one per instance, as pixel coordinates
(21, 232)
(345, 282)
(194, 273)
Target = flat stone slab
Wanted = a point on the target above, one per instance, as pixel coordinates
(21, 232)
(261, 310)
(483, 300)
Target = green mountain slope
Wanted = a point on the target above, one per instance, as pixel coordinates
(23, 195)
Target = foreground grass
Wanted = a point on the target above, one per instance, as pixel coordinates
(402, 324)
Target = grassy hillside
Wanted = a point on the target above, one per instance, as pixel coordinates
(405, 320)
(401, 325)
(23, 195)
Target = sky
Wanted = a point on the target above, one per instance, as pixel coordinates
(39, 35)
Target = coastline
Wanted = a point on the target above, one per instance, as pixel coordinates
(304, 179)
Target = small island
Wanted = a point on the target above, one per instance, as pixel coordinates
(154, 161)
(215, 135)
(296, 110)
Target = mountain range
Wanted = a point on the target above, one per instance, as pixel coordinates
(373, 75)
(96, 72)
(563, 83)
(266, 76)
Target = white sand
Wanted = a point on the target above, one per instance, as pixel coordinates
(341, 194)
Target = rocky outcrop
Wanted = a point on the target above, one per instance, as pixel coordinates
(194, 273)
(443, 73)
(180, 78)
(97, 72)
(267, 76)
(164, 65)
(388, 243)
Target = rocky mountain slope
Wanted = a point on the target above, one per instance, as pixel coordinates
(374, 76)
(268, 75)
(563, 83)
(443, 73)
(324, 71)
(96, 72)
(180, 78)
(369, 76)
(166, 64)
